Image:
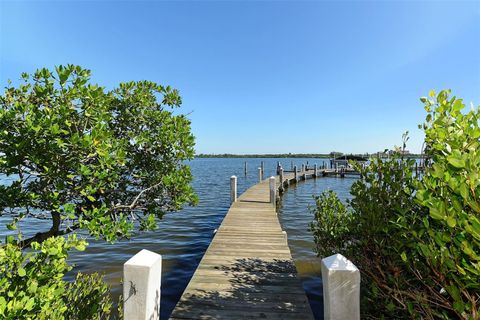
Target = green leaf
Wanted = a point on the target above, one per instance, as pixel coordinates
(12, 226)
(32, 288)
(21, 272)
(464, 191)
(451, 222)
(458, 105)
(437, 214)
(456, 162)
(29, 305)
(80, 247)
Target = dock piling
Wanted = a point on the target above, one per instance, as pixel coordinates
(285, 236)
(295, 175)
(233, 189)
(245, 167)
(260, 174)
(273, 189)
(315, 170)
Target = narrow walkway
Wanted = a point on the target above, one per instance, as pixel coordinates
(247, 271)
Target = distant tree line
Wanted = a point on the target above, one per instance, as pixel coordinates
(293, 155)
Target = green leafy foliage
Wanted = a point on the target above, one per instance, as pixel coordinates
(88, 298)
(31, 284)
(96, 159)
(415, 239)
(450, 191)
(332, 223)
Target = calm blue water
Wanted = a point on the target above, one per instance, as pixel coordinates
(183, 237)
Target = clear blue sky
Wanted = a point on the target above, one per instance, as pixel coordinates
(264, 76)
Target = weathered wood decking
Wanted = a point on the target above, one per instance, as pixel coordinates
(247, 271)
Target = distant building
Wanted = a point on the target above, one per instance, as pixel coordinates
(342, 161)
(400, 151)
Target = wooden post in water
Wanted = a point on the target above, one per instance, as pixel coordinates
(245, 167)
(303, 167)
(295, 173)
(142, 275)
(233, 189)
(273, 193)
(260, 174)
(315, 170)
(281, 176)
(263, 168)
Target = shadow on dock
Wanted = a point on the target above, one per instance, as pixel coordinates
(247, 288)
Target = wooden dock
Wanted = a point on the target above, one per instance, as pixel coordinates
(247, 271)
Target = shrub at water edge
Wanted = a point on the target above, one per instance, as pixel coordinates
(415, 240)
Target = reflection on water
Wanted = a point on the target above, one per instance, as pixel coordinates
(183, 237)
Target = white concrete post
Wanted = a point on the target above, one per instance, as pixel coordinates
(142, 275)
(295, 172)
(273, 193)
(341, 288)
(233, 189)
(285, 237)
(260, 175)
(315, 170)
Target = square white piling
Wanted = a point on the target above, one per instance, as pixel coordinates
(341, 288)
(142, 276)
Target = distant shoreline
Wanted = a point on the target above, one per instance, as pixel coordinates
(228, 155)
(289, 155)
